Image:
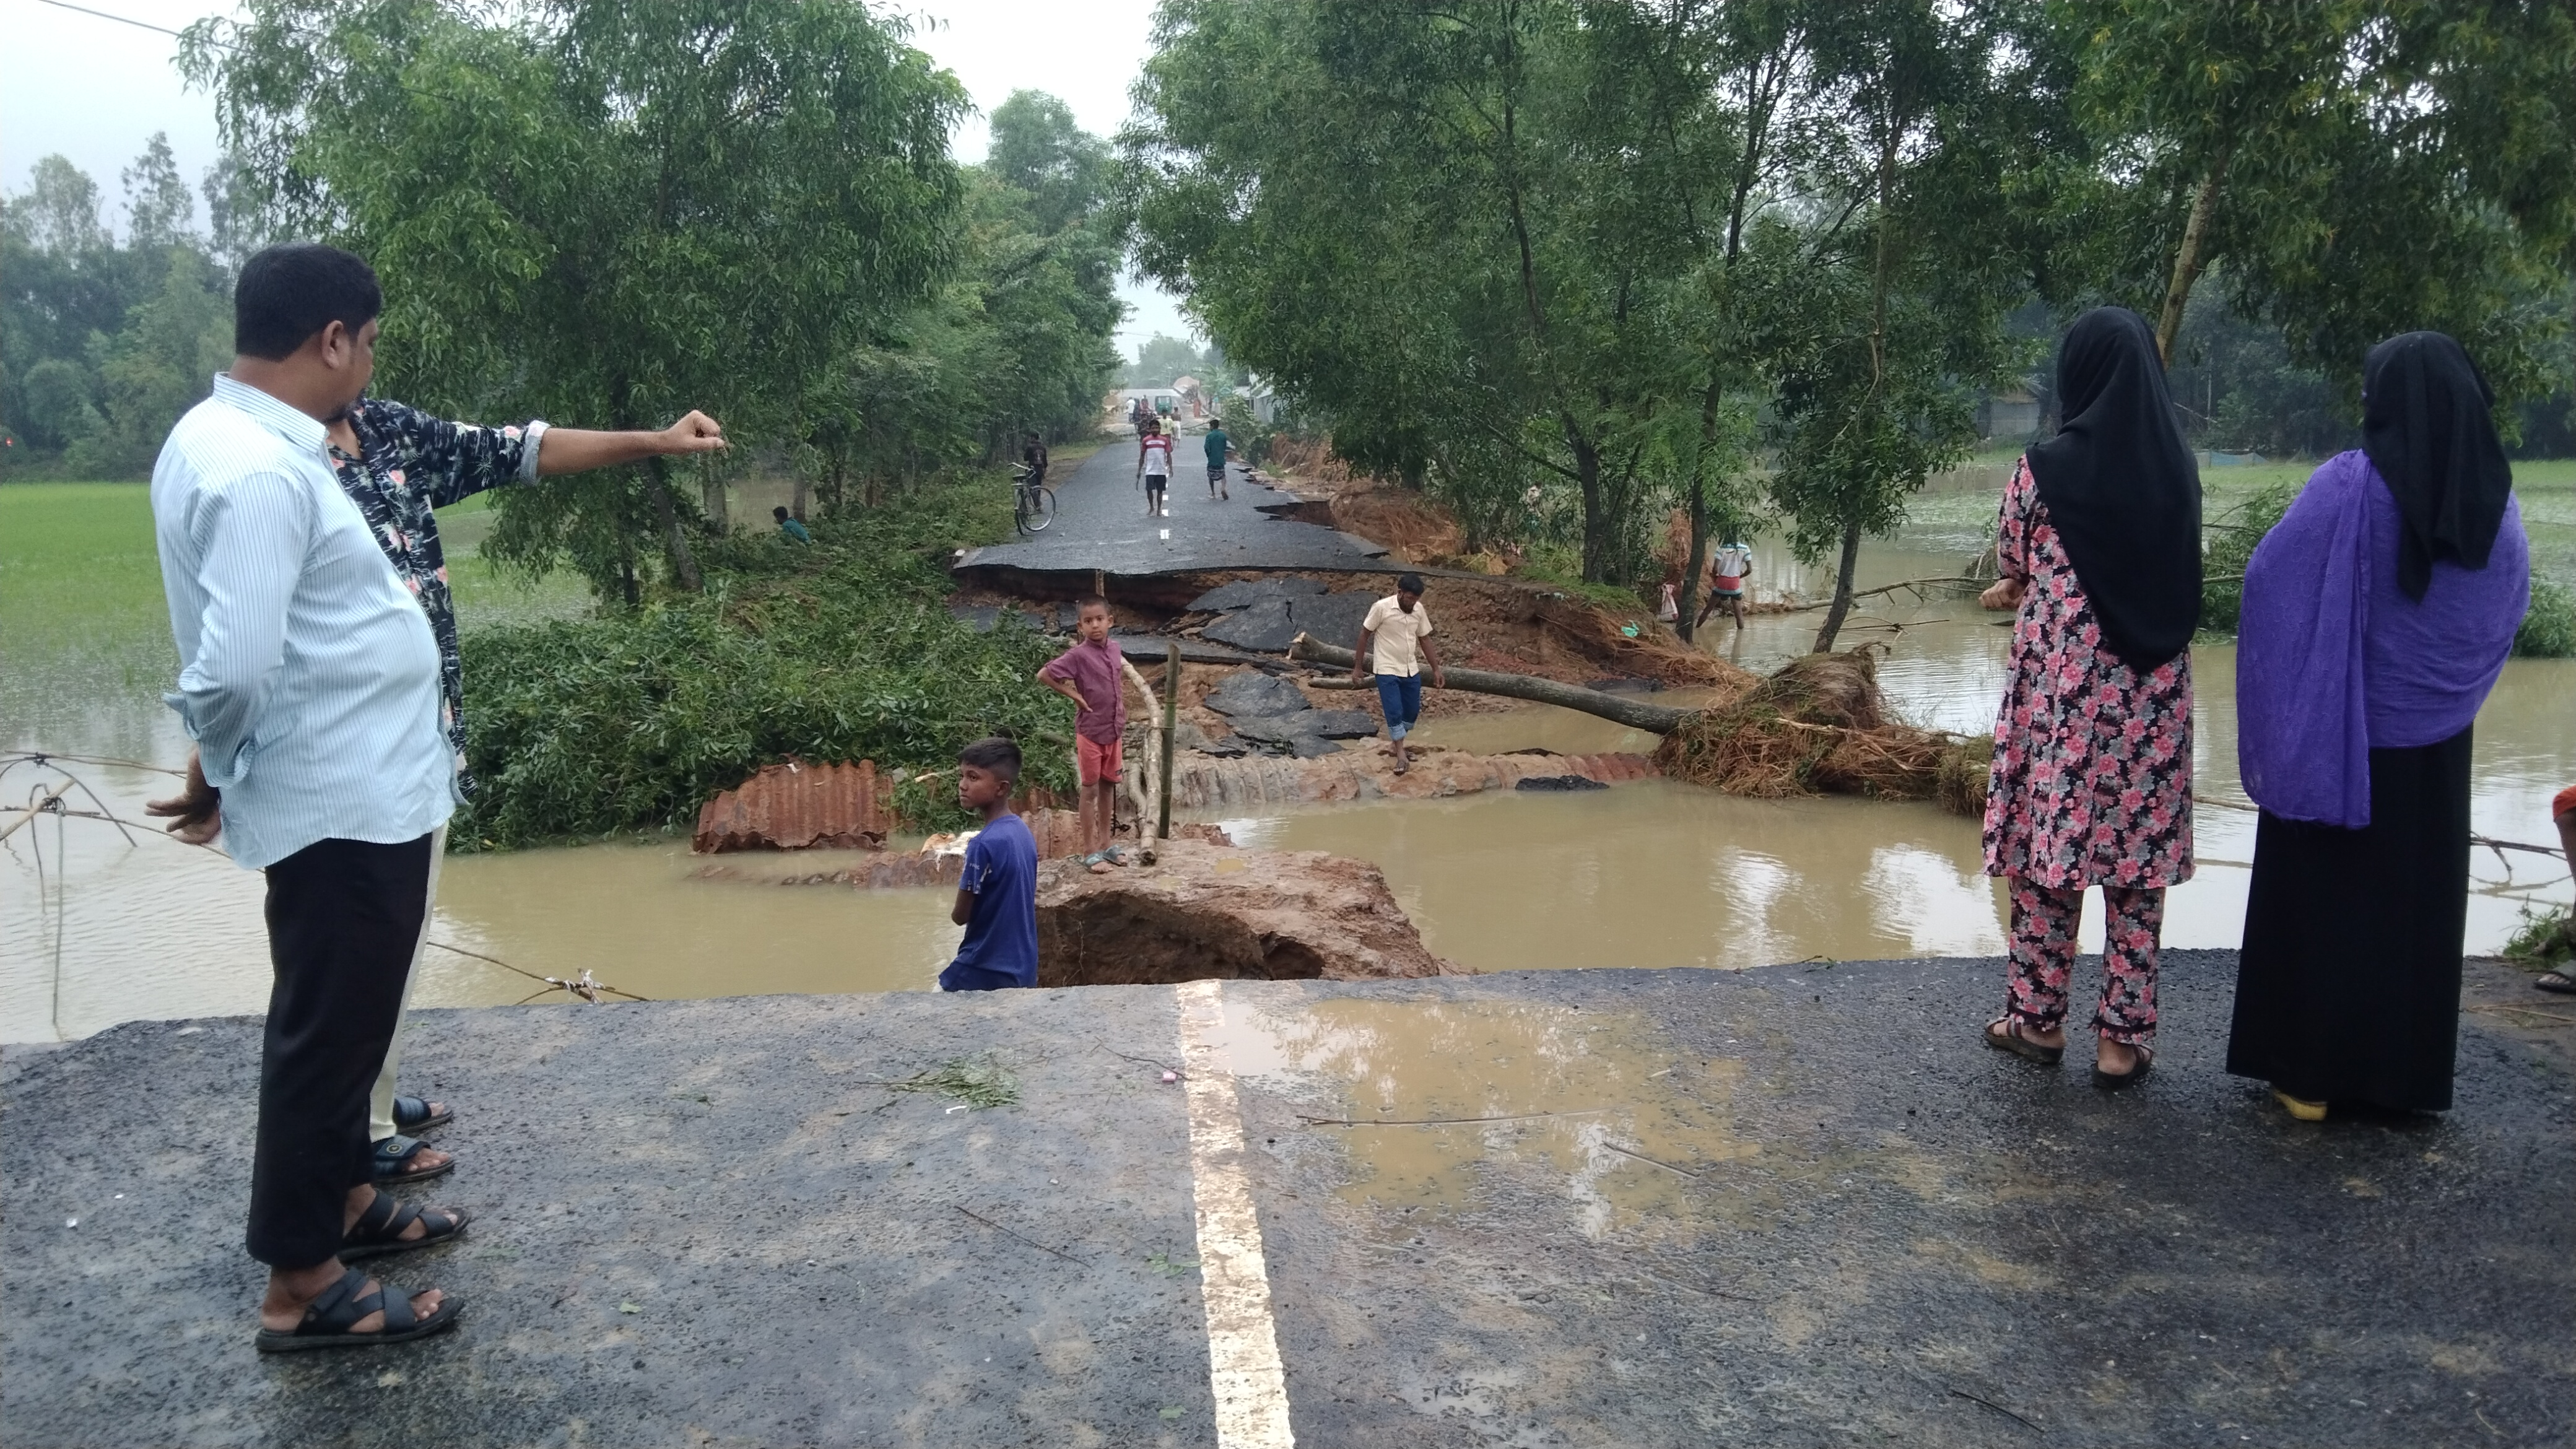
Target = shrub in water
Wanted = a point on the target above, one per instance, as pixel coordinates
(2549, 630)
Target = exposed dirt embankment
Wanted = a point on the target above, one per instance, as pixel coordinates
(1204, 911)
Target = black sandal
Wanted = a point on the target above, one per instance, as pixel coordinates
(2021, 1046)
(412, 1114)
(2558, 981)
(379, 1230)
(326, 1321)
(394, 1154)
(2114, 1081)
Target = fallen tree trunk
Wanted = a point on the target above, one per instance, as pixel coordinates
(1634, 713)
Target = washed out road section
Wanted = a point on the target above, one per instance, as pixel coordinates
(1100, 523)
(1794, 1205)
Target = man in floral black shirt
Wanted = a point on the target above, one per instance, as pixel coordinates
(398, 464)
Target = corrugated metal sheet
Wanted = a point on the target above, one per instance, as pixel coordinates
(795, 806)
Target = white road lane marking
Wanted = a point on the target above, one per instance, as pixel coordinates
(1234, 1280)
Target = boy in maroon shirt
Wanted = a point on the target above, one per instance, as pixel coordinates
(1090, 673)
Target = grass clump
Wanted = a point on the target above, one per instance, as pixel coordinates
(978, 1082)
(2545, 937)
(2549, 629)
(842, 650)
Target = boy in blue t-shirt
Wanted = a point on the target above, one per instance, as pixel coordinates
(997, 896)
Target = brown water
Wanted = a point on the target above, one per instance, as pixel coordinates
(1429, 1096)
(1640, 875)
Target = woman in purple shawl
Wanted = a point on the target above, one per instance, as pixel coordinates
(2377, 616)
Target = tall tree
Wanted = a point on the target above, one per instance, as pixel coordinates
(1895, 310)
(159, 212)
(1016, 341)
(58, 212)
(2362, 167)
(1456, 232)
(1039, 149)
(604, 209)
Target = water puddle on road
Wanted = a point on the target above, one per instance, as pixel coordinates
(1433, 1098)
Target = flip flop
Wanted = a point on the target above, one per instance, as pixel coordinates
(2300, 1107)
(393, 1158)
(2558, 981)
(412, 1114)
(2019, 1045)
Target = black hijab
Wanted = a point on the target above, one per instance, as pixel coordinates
(2122, 489)
(2426, 424)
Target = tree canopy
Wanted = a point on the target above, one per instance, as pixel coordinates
(1584, 260)
(103, 345)
(1578, 247)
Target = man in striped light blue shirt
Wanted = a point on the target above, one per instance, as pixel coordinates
(311, 681)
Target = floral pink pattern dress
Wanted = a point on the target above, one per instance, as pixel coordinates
(2092, 776)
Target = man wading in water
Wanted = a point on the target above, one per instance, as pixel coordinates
(308, 595)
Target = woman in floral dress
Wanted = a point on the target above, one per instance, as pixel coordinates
(2100, 553)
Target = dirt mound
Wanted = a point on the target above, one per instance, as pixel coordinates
(1403, 522)
(1203, 911)
(1819, 726)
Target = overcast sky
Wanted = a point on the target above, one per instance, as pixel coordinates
(96, 90)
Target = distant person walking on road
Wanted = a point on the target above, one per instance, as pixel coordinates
(1216, 444)
(1092, 673)
(2377, 617)
(2091, 784)
(997, 892)
(790, 526)
(1154, 464)
(1726, 571)
(1401, 629)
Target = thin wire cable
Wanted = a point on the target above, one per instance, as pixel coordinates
(553, 983)
(119, 19)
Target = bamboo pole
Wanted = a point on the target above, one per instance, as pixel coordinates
(34, 808)
(1171, 723)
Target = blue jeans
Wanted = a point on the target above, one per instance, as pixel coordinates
(1400, 695)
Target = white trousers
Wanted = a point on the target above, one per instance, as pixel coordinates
(380, 1123)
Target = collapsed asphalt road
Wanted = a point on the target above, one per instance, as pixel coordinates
(1798, 1205)
(1101, 524)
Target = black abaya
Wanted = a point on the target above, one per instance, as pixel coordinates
(2348, 989)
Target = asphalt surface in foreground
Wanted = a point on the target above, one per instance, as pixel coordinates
(1101, 523)
(1800, 1205)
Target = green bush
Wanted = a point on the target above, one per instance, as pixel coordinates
(842, 650)
(2544, 937)
(2549, 629)
(2227, 545)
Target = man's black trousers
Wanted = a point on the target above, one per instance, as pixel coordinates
(343, 922)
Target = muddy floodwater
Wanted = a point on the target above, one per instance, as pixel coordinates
(94, 931)
(1426, 1094)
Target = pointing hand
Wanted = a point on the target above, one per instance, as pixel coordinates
(696, 433)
